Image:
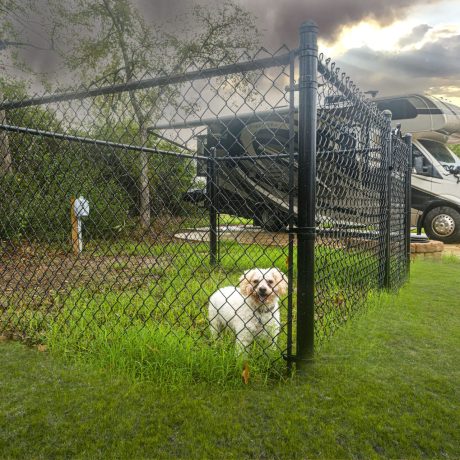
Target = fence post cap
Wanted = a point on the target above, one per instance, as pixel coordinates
(308, 26)
(387, 114)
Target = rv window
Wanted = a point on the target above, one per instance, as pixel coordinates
(429, 103)
(418, 160)
(422, 165)
(418, 102)
(438, 150)
(400, 108)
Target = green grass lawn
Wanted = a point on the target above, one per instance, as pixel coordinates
(386, 385)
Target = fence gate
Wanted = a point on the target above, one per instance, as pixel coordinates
(125, 209)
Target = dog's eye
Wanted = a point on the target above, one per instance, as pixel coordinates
(270, 281)
(255, 282)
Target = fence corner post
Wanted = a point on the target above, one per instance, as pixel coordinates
(306, 203)
(408, 141)
(388, 168)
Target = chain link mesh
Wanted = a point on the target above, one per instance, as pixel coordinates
(399, 211)
(361, 199)
(192, 182)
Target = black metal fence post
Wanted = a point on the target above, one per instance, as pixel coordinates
(389, 168)
(408, 141)
(291, 223)
(308, 86)
(212, 197)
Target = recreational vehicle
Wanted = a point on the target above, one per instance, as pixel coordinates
(436, 169)
(260, 190)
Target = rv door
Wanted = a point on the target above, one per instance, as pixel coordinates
(422, 178)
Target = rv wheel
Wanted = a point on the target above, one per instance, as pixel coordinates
(443, 224)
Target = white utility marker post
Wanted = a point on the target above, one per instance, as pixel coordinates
(79, 209)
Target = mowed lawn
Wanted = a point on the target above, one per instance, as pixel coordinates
(386, 385)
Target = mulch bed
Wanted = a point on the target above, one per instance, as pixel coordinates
(31, 272)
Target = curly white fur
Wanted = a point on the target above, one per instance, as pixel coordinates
(250, 310)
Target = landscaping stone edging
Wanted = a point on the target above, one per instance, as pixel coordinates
(431, 250)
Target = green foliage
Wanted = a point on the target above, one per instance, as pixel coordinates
(47, 172)
(455, 148)
(169, 177)
(36, 198)
(36, 202)
(109, 40)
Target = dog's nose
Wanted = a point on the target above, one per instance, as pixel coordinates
(262, 290)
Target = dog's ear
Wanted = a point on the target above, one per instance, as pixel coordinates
(281, 282)
(245, 284)
(244, 276)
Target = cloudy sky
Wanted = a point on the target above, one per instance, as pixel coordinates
(394, 46)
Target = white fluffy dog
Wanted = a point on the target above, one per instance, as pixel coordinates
(250, 310)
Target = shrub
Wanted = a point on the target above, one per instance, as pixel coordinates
(37, 196)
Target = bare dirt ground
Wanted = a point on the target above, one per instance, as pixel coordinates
(32, 273)
(452, 249)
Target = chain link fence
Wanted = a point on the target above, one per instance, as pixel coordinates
(363, 177)
(201, 208)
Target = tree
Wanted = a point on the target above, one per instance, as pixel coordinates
(17, 32)
(6, 30)
(109, 42)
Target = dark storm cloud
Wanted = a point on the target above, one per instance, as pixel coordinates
(281, 19)
(278, 20)
(433, 60)
(434, 65)
(158, 11)
(415, 36)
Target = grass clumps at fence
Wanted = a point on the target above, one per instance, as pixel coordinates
(167, 357)
(154, 327)
(140, 309)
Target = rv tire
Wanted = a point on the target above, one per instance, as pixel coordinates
(443, 224)
(270, 221)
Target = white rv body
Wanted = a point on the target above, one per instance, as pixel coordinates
(436, 169)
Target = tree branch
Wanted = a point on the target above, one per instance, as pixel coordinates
(7, 43)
